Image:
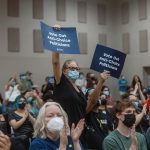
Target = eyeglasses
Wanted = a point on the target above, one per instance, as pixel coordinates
(73, 68)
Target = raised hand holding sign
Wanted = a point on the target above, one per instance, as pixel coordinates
(108, 59)
(63, 40)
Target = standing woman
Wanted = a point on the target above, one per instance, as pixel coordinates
(67, 94)
(70, 97)
(51, 130)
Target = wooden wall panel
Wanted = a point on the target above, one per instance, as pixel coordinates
(126, 42)
(125, 12)
(82, 37)
(37, 42)
(82, 12)
(61, 10)
(13, 40)
(142, 5)
(13, 8)
(143, 41)
(101, 13)
(38, 10)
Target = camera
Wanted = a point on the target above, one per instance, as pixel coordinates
(101, 102)
(51, 79)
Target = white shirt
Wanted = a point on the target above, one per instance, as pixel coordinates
(12, 93)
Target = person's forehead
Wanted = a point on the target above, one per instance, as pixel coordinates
(53, 109)
(129, 109)
(72, 64)
(103, 96)
(132, 97)
(21, 99)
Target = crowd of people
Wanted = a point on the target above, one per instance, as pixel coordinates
(74, 111)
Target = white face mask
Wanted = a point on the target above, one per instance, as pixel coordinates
(55, 125)
(106, 93)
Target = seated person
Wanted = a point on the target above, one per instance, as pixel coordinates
(125, 137)
(51, 130)
(4, 125)
(148, 137)
(98, 125)
(47, 88)
(22, 123)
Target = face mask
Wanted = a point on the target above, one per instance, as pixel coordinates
(129, 120)
(29, 99)
(81, 76)
(106, 93)
(79, 82)
(21, 105)
(55, 125)
(94, 86)
(73, 75)
(13, 83)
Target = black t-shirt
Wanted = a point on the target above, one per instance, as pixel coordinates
(25, 129)
(73, 102)
(143, 125)
(97, 127)
(3, 127)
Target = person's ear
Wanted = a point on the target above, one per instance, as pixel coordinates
(118, 116)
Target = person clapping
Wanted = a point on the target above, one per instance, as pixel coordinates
(51, 130)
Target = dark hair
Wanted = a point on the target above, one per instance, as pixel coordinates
(134, 81)
(105, 86)
(18, 99)
(125, 96)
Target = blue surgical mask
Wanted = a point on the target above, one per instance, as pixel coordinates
(73, 74)
(13, 83)
(23, 77)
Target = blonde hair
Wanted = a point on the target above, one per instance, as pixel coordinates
(39, 126)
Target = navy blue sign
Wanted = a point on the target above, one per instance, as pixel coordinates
(108, 59)
(61, 41)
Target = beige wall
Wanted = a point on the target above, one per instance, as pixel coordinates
(135, 60)
(40, 64)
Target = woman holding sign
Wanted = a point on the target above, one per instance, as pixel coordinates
(67, 93)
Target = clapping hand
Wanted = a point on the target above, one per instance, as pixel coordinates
(5, 143)
(63, 138)
(77, 131)
(134, 141)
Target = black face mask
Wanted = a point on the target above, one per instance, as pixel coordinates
(21, 105)
(129, 120)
